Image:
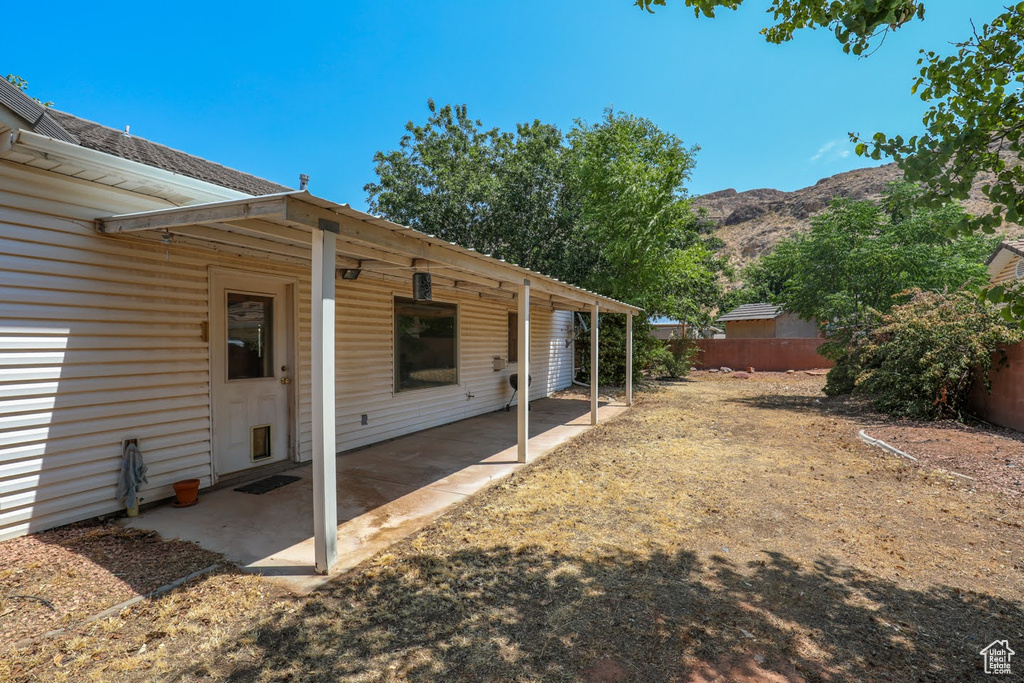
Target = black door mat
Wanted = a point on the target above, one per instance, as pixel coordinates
(261, 486)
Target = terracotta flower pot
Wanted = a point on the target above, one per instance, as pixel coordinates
(187, 492)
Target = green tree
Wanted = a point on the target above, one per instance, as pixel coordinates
(921, 358)
(22, 85)
(859, 255)
(604, 208)
(500, 193)
(854, 22)
(975, 115)
(629, 177)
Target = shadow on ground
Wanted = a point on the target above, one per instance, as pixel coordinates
(504, 614)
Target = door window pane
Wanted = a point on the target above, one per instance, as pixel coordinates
(250, 336)
(426, 345)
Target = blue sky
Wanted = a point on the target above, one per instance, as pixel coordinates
(317, 88)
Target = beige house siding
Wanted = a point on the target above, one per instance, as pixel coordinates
(749, 329)
(365, 363)
(1008, 273)
(100, 341)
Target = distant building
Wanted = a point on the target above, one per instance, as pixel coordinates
(1006, 264)
(668, 330)
(766, 321)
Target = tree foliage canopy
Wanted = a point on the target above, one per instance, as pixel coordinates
(920, 359)
(975, 96)
(603, 207)
(858, 255)
(629, 178)
(854, 22)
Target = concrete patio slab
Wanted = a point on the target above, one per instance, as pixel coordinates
(385, 492)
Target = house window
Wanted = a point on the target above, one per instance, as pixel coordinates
(513, 337)
(250, 342)
(426, 344)
(1019, 270)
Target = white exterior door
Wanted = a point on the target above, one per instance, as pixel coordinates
(251, 370)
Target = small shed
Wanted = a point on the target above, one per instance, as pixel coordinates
(767, 321)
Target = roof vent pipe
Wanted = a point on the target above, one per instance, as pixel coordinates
(303, 181)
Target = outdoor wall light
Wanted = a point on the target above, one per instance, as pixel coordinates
(350, 273)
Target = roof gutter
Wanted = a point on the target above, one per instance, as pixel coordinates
(76, 155)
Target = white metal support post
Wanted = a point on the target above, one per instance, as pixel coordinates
(629, 359)
(325, 495)
(593, 363)
(523, 408)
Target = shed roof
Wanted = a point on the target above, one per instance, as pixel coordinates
(752, 312)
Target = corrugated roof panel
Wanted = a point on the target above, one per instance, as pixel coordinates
(752, 312)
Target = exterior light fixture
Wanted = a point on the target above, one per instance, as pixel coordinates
(350, 273)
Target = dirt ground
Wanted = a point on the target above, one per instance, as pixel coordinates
(724, 530)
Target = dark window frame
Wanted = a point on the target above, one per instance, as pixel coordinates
(400, 383)
(241, 365)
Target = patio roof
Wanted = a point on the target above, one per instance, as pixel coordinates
(329, 236)
(282, 224)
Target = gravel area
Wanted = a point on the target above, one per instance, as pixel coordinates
(992, 457)
(59, 577)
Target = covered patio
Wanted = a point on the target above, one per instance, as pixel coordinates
(385, 492)
(337, 241)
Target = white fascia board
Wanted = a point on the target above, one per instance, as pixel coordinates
(76, 155)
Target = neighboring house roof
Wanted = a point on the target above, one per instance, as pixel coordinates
(69, 128)
(1013, 246)
(752, 312)
(1005, 255)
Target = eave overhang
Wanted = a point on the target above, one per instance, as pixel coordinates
(283, 224)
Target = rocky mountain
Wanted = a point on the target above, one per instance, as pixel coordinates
(751, 222)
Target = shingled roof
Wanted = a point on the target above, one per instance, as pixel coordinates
(131, 147)
(1013, 246)
(72, 129)
(752, 312)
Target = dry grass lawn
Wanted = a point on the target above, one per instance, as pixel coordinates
(724, 530)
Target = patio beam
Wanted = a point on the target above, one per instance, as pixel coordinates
(177, 217)
(523, 384)
(325, 495)
(629, 359)
(594, 312)
(404, 241)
